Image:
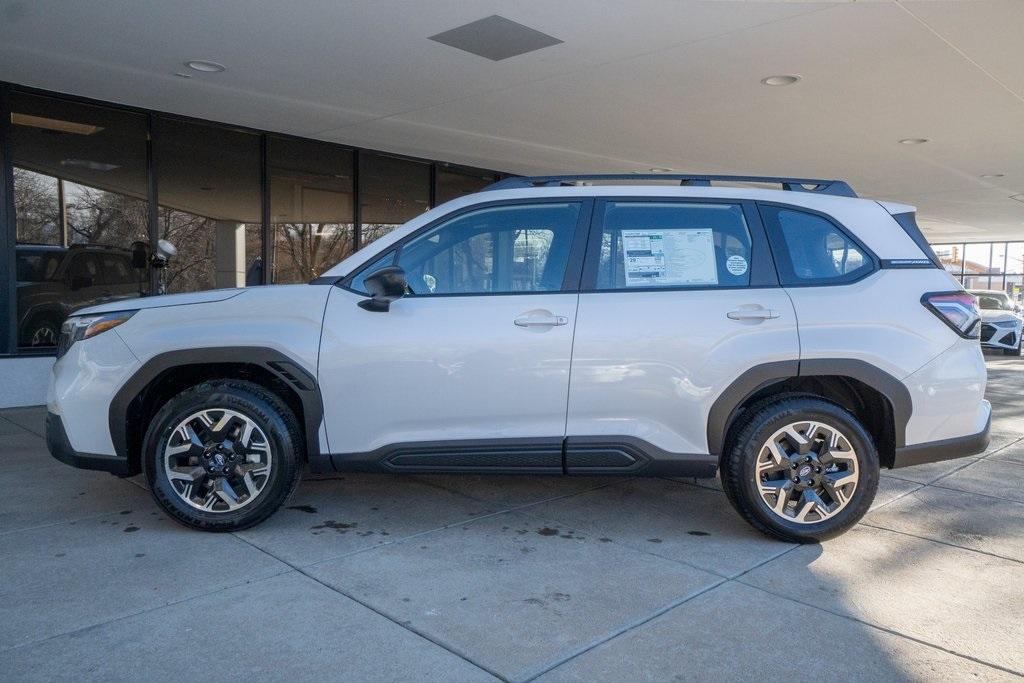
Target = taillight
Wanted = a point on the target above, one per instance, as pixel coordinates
(956, 309)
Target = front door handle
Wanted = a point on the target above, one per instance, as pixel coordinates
(752, 314)
(540, 321)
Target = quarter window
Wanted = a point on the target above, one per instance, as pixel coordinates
(810, 249)
(673, 244)
(502, 249)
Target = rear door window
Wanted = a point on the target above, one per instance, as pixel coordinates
(656, 245)
(811, 249)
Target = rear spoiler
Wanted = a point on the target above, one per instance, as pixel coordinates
(906, 216)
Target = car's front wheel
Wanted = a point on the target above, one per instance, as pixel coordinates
(801, 468)
(222, 455)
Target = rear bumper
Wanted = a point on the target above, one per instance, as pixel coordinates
(60, 448)
(944, 449)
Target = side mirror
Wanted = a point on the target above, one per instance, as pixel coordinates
(80, 282)
(385, 285)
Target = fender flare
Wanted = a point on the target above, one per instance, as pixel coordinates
(723, 410)
(288, 370)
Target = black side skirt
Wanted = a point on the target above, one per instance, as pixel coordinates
(579, 455)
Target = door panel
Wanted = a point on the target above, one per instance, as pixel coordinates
(479, 349)
(650, 364)
(688, 300)
(445, 368)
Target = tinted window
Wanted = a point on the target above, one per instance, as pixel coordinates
(37, 266)
(521, 248)
(672, 244)
(810, 248)
(117, 270)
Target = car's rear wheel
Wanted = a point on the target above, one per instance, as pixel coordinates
(223, 455)
(801, 469)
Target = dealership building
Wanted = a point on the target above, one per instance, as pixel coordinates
(267, 145)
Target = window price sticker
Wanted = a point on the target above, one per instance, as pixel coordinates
(658, 258)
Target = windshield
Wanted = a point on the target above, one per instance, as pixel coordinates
(38, 266)
(993, 301)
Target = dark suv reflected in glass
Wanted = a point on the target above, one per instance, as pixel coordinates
(54, 281)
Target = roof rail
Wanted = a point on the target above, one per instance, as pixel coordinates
(838, 188)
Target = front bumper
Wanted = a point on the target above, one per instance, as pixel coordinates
(998, 337)
(60, 448)
(944, 449)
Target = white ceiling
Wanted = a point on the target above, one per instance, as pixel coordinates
(636, 84)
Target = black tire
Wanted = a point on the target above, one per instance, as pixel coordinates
(267, 411)
(759, 423)
(1013, 352)
(43, 331)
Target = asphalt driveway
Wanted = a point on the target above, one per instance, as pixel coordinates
(377, 577)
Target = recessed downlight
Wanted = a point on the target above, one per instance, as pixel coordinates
(913, 141)
(661, 170)
(780, 79)
(205, 66)
(992, 175)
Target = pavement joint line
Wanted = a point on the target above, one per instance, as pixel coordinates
(21, 426)
(901, 496)
(142, 611)
(650, 617)
(941, 542)
(886, 629)
(612, 635)
(451, 525)
(975, 493)
(451, 649)
(64, 521)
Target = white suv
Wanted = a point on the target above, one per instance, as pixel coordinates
(795, 340)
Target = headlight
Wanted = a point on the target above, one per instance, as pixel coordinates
(79, 327)
(1007, 324)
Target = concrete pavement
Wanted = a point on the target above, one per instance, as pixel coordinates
(377, 577)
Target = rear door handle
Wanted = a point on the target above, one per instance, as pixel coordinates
(752, 314)
(541, 321)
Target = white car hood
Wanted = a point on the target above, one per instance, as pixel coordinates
(206, 297)
(991, 315)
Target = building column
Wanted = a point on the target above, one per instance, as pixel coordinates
(229, 256)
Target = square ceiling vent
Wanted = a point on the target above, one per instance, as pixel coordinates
(495, 38)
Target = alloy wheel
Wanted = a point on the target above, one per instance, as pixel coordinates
(217, 460)
(806, 472)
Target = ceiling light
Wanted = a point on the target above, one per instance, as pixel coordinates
(913, 141)
(992, 175)
(661, 170)
(781, 79)
(205, 66)
(54, 124)
(182, 74)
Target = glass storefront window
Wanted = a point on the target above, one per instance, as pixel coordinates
(81, 196)
(392, 191)
(453, 183)
(80, 202)
(1015, 258)
(208, 184)
(951, 256)
(977, 259)
(311, 207)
